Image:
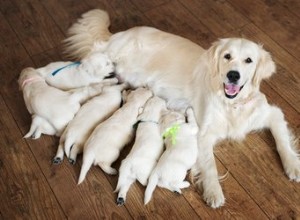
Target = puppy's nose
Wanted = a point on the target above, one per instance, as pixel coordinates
(233, 76)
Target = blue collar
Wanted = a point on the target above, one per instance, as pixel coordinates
(59, 69)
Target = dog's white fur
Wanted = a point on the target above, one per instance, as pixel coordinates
(51, 108)
(92, 69)
(87, 118)
(178, 158)
(178, 69)
(107, 140)
(146, 150)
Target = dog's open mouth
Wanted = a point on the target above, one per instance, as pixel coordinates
(232, 90)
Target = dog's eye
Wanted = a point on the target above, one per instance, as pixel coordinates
(227, 56)
(248, 60)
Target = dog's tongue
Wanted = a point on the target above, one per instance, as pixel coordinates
(232, 89)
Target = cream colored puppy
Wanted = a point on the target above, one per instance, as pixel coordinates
(69, 75)
(179, 156)
(52, 109)
(146, 150)
(105, 143)
(88, 117)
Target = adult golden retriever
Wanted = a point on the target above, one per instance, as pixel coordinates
(221, 84)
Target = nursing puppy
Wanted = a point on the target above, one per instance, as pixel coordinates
(105, 143)
(51, 108)
(221, 83)
(146, 150)
(87, 118)
(69, 75)
(179, 156)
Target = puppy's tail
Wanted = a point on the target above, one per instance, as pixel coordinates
(88, 159)
(90, 28)
(153, 180)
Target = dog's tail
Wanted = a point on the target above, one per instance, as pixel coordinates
(88, 159)
(153, 180)
(90, 28)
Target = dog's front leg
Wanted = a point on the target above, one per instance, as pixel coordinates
(205, 172)
(285, 144)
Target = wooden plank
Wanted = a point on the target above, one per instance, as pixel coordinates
(65, 13)
(35, 29)
(144, 6)
(12, 60)
(257, 168)
(292, 5)
(218, 16)
(181, 23)
(25, 193)
(124, 15)
(275, 20)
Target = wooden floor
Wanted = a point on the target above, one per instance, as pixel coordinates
(256, 187)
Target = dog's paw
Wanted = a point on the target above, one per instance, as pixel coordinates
(56, 160)
(214, 196)
(292, 170)
(72, 161)
(120, 201)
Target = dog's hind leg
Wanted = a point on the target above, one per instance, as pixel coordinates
(107, 168)
(74, 151)
(59, 154)
(34, 131)
(124, 187)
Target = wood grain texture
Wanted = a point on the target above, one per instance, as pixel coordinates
(255, 187)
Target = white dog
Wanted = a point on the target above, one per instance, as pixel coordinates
(221, 84)
(146, 150)
(69, 75)
(179, 156)
(87, 118)
(105, 143)
(51, 108)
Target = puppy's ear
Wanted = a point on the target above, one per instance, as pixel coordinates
(124, 95)
(141, 109)
(265, 67)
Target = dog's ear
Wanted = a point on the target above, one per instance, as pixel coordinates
(214, 54)
(265, 67)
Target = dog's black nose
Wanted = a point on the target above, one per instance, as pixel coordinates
(233, 76)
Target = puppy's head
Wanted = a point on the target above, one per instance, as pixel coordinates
(238, 66)
(171, 117)
(138, 95)
(98, 64)
(153, 109)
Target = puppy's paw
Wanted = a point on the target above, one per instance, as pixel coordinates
(72, 161)
(292, 170)
(120, 201)
(214, 196)
(56, 160)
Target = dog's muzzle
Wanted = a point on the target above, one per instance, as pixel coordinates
(231, 88)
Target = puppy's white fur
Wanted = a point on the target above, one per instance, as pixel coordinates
(178, 69)
(52, 109)
(92, 69)
(106, 141)
(87, 118)
(146, 150)
(178, 157)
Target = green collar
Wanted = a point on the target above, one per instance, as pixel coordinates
(172, 132)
